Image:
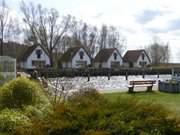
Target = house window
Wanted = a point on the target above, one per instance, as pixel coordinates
(143, 56)
(38, 64)
(142, 63)
(81, 54)
(81, 64)
(38, 53)
(115, 64)
(115, 56)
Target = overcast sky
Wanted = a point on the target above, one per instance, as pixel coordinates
(139, 20)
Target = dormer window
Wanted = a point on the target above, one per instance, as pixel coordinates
(143, 56)
(38, 53)
(81, 54)
(115, 56)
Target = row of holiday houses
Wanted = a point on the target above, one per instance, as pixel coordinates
(30, 57)
(78, 57)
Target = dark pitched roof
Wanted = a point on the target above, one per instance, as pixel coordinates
(133, 55)
(70, 53)
(27, 53)
(13, 49)
(104, 54)
(16, 50)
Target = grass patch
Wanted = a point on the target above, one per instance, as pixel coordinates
(4, 133)
(169, 100)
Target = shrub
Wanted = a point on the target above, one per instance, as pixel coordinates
(89, 113)
(86, 98)
(96, 133)
(129, 116)
(1, 77)
(11, 119)
(19, 92)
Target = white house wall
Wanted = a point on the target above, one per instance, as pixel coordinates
(111, 59)
(73, 62)
(141, 60)
(77, 58)
(33, 56)
(136, 64)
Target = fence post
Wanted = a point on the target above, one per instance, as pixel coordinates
(143, 74)
(157, 75)
(88, 74)
(126, 75)
(88, 77)
(109, 76)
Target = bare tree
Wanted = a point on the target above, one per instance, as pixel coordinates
(110, 37)
(44, 26)
(159, 52)
(115, 39)
(92, 41)
(103, 36)
(59, 89)
(85, 35)
(9, 26)
(66, 43)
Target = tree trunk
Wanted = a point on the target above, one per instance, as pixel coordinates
(1, 47)
(51, 60)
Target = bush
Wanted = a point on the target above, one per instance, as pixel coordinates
(11, 119)
(96, 133)
(1, 77)
(89, 113)
(19, 92)
(129, 116)
(86, 98)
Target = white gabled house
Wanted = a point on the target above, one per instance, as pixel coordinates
(108, 58)
(136, 58)
(75, 57)
(34, 57)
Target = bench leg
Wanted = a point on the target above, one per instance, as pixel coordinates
(149, 88)
(131, 89)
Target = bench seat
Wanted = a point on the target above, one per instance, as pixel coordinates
(143, 83)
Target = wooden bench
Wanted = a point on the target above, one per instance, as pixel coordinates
(144, 83)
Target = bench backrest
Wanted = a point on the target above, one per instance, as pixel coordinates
(142, 82)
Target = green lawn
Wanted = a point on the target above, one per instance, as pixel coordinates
(171, 101)
(4, 134)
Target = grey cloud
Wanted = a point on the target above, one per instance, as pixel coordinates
(172, 25)
(98, 15)
(129, 30)
(156, 30)
(147, 15)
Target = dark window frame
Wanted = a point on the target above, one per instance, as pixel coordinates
(143, 56)
(38, 53)
(81, 55)
(115, 56)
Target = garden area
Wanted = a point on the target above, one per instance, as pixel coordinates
(27, 109)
